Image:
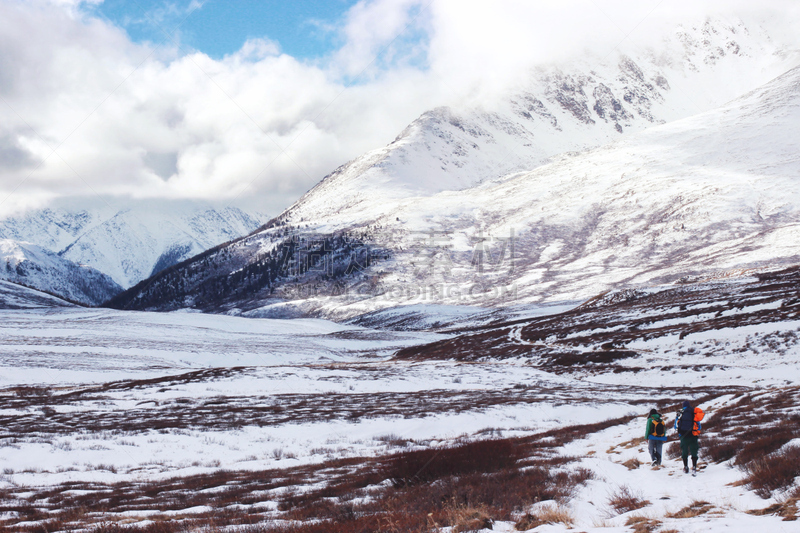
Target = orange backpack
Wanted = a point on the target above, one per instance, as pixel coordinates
(698, 416)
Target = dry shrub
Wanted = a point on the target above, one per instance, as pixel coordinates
(45, 526)
(674, 450)
(567, 434)
(600, 522)
(642, 524)
(465, 501)
(394, 440)
(547, 514)
(720, 449)
(776, 438)
(638, 441)
(504, 492)
(625, 500)
(776, 471)
(501, 478)
(632, 464)
(787, 509)
(555, 514)
(424, 466)
(465, 518)
(696, 508)
(527, 522)
(752, 428)
(162, 526)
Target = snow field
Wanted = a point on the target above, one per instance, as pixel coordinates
(103, 398)
(667, 489)
(81, 351)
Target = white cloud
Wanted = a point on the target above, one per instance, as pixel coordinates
(376, 30)
(258, 125)
(74, 3)
(491, 44)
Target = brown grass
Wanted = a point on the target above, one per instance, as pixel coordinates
(642, 524)
(465, 518)
(632, 464)
(549, 514)
(459, 485)
(638, 441)
(696, 508)
(422, 466)
(752, 427)
(776, 438)
(673, 450)
(719, 449)
(624, 500)
(776, 471)
(527, 522)
(555, 514)
(787, 510)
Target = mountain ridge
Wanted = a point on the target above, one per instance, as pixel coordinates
(16, 296)
(133, 242)
(652, 207)
(34, 267)
(556, 110)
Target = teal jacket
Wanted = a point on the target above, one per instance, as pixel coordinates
(649, 429)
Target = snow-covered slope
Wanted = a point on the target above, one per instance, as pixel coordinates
(32, 266)
(717, 191)
(184, 416)
(712, 192)
(584, 104)
(13, 296)
(132, 242)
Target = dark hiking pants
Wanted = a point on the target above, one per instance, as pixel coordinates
(689, 446)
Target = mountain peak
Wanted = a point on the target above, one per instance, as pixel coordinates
(133, 240)
(32, 266)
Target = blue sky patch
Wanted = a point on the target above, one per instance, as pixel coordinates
(218, 27)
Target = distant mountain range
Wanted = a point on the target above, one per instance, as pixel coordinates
(34, 267)
(593, 175)
(132, 241)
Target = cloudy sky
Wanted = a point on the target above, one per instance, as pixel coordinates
(252, 102)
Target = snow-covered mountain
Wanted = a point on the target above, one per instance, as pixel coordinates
(32, 266)
(133, 241)
(557, 109)
(446, 215)
(13, 296)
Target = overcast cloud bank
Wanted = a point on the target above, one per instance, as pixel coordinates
(87, 112)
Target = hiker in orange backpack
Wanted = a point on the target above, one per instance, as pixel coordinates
(656, 434)
(687, 424)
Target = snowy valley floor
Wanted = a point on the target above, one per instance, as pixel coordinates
(185, 421)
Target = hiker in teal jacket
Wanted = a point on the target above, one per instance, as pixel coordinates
(656, 435)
